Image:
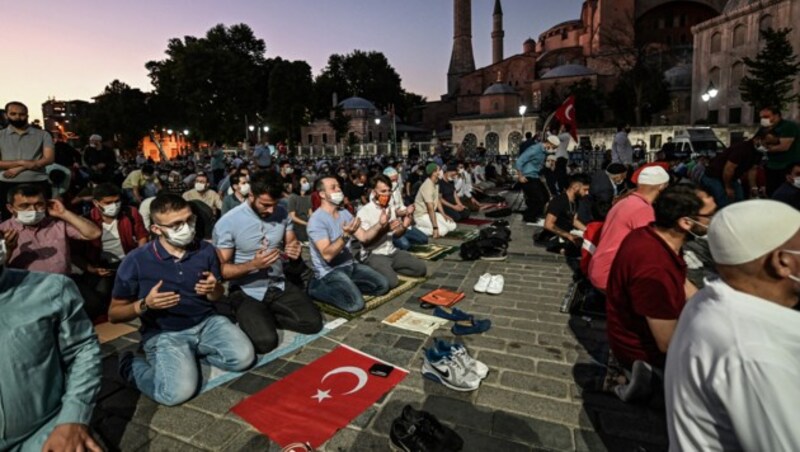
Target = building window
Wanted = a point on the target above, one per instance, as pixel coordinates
(324, 138)
(735, 115)
(714, 76)
(713, 116)
(380, 136)
(737, 73)
(369, 136)
(352, 137)
(764, 24)
(662, 23)
(537, 100)
(684, 41)
(496, 106)
(676, 21)
(563, 34)
(310, 139)
(716, 42)
(739, 34)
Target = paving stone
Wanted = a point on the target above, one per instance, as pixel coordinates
(129, 403)
(563, 371)
(347, 440)
(217, 401)
(511, 334)
(269, 369)
(392, 355)
(459, 412)
(180, 421)
(532, 432)
(163, 443)
(538, 352)
(216, 435)
(393, 407)
(384, 338)
(363, 419)
(287, 369)
(503, 361)
(530, 383)
(475, 441)
(250, 383)
(639, 427)
(309, 354)
(530, 405)
(249, 441)
(121, 434)
(409, 343)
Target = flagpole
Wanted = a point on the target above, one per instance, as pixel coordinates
(546, 123)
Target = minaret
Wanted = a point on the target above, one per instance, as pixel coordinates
(497, 33)
(462, 60)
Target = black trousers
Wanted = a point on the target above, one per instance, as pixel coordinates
(456, 215)
(535, 197)
(96, 293)
(561, 174)
(291, 309)
(775, 178)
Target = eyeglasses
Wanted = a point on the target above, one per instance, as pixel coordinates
(179, 224)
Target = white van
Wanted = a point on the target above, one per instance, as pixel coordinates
(695, 141)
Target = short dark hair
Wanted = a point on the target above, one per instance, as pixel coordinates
(17, 104)
(677, 202)
(266, 183)
(774, 109)
(235, 178)
(320, 184)
(380, 179)
(167, 202)
(582, 179)
(148, 169)
(791, 167)
(202, 174)
(26, 190)
(105, 190)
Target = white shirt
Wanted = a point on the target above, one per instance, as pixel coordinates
(464, 185)
(561, 152)
(732, 374)
(621, 149)
(370, 215)
(111, 241)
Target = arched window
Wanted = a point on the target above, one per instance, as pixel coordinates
(714, 77)
(324, 138)
(493, 142)
(765, 23)
(496, 106)
(470, 142)
(737, 73)
(739, 35)
(514, 140)
(716, 42)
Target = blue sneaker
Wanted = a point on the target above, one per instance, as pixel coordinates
(461, 354)
(456, 314)
(476, 327)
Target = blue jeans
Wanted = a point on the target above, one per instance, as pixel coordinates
(413, 236)
(344, 287)
(170, 373)
(716, 189)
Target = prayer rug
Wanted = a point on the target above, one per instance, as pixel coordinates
(475, 222)
(432, 251)
(372, 302)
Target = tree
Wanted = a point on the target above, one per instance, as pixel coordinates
(340, 123)
(290, 89)
(771, 74)
(211, 84)
(121, 113)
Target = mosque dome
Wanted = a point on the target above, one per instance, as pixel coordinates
(356, 103)
(499, 88)
(733, 5)
(568, 70)
(679, 76)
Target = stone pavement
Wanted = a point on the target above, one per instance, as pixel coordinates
(533, 398)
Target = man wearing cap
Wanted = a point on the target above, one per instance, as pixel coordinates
(529, 165)
(428, 210)
(412, 236)
(647, 286)
(632, 212)
(734, 362)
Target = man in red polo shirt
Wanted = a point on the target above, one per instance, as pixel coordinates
(647, 286)
(632, 212)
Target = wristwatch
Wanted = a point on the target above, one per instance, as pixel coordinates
(142, 306)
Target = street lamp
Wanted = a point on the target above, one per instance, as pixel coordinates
(710, 93)
(170, 131)
(186, 132)
(522, 110)
(266, 128)
(251, 128)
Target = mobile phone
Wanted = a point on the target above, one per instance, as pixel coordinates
(381, 370)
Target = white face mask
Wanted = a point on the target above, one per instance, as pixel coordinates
(244, 188)
(30, 217)
(797, 182)
(3, 253)
(289, 170)
(112, 210)
(305, 186)
(336, 198)
(180, 237)
(200, 187)
(766, 122)
(762, 149)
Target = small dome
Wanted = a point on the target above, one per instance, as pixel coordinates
(356, 103)
(568, 70)
(679, 76)
(733, 5)
(500, 88)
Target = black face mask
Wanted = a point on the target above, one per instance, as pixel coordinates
(18, 123)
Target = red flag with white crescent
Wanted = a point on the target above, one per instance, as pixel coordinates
(566, 115)
(312, 403)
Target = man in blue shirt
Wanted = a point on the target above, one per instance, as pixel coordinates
(171, 284)
(50, 364)
(529, 164)
(338, 279)
(254, 240)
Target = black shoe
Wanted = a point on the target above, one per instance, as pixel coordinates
(410, 438)
(446, 437)
(495, 254)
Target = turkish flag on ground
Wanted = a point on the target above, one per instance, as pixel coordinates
(312, 403)
(566, 115)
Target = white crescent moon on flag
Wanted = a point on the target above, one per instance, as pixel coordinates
(566, 112)
(358, 373)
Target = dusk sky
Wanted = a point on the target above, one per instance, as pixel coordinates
(73, 49)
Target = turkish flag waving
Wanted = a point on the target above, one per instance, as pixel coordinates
(566, 115)
(312, 403)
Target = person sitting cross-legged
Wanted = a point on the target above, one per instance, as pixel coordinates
(251, 239)
(380, 253)
(171, 284)
(338, 279)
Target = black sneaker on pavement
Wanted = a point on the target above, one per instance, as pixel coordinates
(408, 437)
(447, 437)
(495, 254)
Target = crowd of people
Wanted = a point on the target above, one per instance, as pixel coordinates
(206, 251)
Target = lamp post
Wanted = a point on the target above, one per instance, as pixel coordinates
(522, 110)
(377, 124)
(265, 129)
(710, 93)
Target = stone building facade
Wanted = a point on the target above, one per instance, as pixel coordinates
(722, 42)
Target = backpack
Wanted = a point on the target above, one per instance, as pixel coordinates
(493, 237)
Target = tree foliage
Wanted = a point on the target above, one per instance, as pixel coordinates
(772, 72)
(290, 91)
(121, 113)
(641, 92)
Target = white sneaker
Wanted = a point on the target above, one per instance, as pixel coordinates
(483, 283)
(444, 369)
(496, 284)
(461, 354)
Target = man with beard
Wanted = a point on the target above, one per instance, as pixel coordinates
(648, 286)
(101, 161)
(562, 218)
(255, 240)
(25, 152)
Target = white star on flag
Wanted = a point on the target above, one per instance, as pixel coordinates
(322, 395)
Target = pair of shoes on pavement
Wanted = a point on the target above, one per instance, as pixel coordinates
(464, 323)
(452, 366)
(420, 431)
(491, 284)
(494, 254)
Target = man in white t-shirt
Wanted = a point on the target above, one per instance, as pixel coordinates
(562, 157)
(734, 361)
(428, 209)
(412, 235)
(380, 253)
